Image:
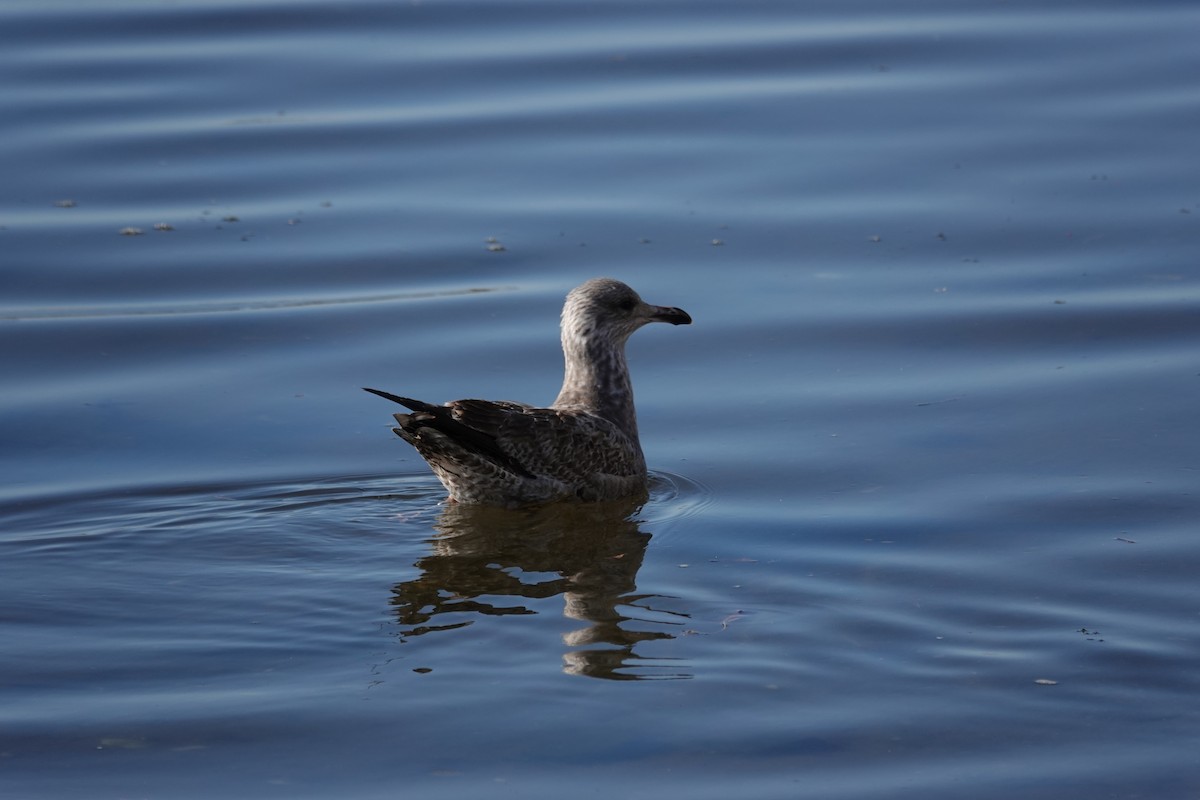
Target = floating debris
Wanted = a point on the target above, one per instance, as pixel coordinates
(163, 226)
(1045, 682)
(732, 618)
(875, 238)
(717, 242)
(496, 247)
(131, 231)
(1126, 541)
(230, 218)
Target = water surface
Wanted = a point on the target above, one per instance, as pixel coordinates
(925, 468)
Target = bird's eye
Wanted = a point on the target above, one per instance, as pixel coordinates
(626, 304)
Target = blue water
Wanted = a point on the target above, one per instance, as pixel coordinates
(924, 502)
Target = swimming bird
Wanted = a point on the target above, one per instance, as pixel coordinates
(584, 445)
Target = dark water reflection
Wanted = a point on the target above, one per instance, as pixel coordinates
(491, 562)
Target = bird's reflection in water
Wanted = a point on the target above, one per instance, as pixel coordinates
(486, 561)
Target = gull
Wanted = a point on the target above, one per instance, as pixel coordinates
(582, 446)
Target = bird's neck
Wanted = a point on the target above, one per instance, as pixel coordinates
(596, 379)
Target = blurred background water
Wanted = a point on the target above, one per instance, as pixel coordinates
(923, 521)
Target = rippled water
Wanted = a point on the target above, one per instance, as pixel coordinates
(923, 521)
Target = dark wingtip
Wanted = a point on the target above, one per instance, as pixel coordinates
(395, 398)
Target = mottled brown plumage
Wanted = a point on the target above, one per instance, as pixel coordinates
(584, 446)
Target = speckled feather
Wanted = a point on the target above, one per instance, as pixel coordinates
(584, 446)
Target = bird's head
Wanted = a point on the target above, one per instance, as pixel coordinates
(610, 310)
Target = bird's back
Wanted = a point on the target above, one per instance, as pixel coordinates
(504, 453)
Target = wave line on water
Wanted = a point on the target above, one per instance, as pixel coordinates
(230, 306)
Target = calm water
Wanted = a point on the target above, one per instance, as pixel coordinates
(924, 515)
